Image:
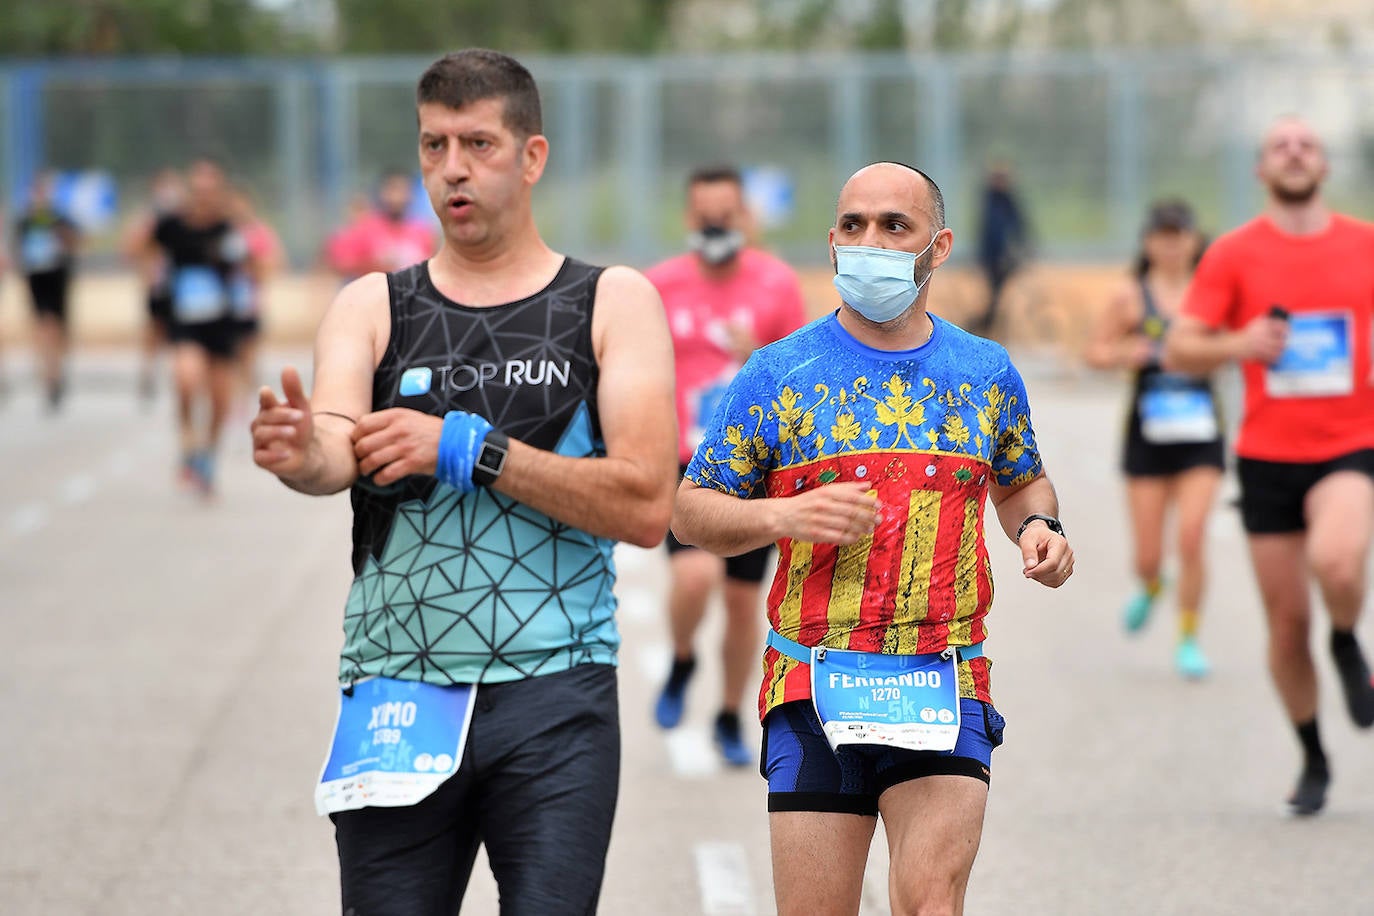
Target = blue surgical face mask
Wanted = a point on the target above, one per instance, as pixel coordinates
(878, 283)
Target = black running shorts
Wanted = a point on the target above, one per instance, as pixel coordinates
(1273, 493)
(537, 786)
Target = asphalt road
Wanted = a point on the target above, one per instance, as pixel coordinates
(166, 694)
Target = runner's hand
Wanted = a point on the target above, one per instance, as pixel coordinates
(396, 443)
(282, 431)
(836, 513)
(1263, 339)
(1047, 557)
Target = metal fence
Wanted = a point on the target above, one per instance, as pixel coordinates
(1091, 138)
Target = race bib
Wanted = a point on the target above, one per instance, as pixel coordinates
(702, 406)
(1317, 360)
(907, 701)
(1176, 409)
(198, 295)
(41, 251)
(243, 297)
(395, 742)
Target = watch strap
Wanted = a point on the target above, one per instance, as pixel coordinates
(1050, 522)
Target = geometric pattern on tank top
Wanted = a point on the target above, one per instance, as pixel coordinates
(479, 587)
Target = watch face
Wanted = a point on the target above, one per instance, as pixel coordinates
(492, 458)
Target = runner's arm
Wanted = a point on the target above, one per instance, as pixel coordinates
(1115, 342)
(307, 442)
(1047, 557)
(726, 525)
(1192, 346)
(628, 494)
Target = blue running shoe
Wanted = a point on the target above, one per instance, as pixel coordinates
(673, 700)
(1137, 611)
(729, 741)
(1190, 660)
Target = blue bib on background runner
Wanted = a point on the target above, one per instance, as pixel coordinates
(1317, 361)
(395, 742)
(1176, 409)
(198, 294)
(40, 251)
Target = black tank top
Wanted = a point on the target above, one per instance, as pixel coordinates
(465, 588)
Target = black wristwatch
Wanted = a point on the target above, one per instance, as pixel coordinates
(1050, 522)
(491, 459)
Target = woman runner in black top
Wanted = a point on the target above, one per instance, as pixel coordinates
(1173, 449)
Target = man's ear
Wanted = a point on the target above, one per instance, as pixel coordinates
(535, 155)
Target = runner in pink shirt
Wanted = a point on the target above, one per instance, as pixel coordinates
(723, 299)
(383, 239)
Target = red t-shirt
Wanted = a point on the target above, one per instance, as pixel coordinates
(373, 242)
(1317, 401)
(762, 296)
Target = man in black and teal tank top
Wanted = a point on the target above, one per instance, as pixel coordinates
(502, 415)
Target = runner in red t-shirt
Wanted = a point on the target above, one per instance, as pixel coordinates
(723, 299)
(1289, 296)
(384, 238)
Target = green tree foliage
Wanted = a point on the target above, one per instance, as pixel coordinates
(369, 26)
(206, 27)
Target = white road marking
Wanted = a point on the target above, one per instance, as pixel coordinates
(77, 489)
(723, 876)
(28, 519)
(691, 753)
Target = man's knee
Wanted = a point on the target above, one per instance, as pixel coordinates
(927, 895)
(1338, 569)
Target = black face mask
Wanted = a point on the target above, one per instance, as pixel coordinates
(716, 245)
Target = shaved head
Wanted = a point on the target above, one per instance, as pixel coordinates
(906, 181)
(1292, 161)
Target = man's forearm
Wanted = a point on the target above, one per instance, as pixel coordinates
(1034, 498)
(1200, 352)
(609, 497)
(722, 524)
(330, 465)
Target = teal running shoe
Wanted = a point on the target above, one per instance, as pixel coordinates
(1190, 660)
(1137, 611)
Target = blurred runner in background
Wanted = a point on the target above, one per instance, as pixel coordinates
(266, 258)
(724, 298)
(167, 191)
(384, 237)
(45, 246)
(207, 257)
(1173, 455)
(1290, 296)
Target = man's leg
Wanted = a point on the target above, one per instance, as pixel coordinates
(934, 825)
(818, 861)
(550, 776)
(740, 651)
(744, 575)
(1340, 517)
(694, 574)
(410, 861)
(1281, 571)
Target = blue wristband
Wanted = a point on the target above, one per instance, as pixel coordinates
(459, 444)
